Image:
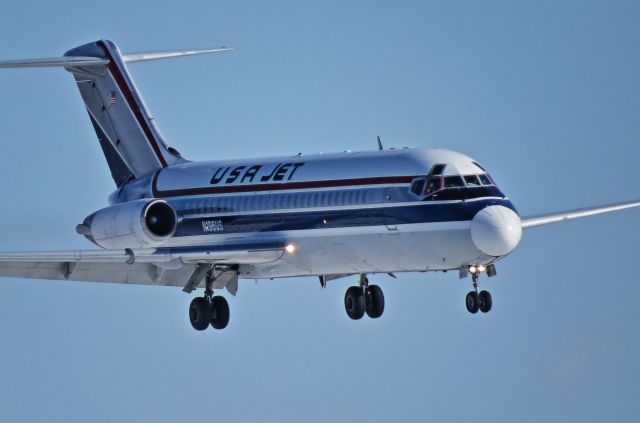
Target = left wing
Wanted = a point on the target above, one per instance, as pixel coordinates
(162, 266)
(530, 222)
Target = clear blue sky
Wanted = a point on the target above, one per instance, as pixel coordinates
(546, 94)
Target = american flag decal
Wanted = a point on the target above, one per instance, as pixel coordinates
(111, 98)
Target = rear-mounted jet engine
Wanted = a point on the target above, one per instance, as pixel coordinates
(135, 224)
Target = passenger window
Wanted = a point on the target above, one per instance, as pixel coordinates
(333, 198)
(418, 186)
(453, 182)
(472, 180)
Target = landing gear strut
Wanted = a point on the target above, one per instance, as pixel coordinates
(364, 298)
(209, 309)
(478, 300)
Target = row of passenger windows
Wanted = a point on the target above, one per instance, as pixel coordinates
(229, 204)
(434, 187)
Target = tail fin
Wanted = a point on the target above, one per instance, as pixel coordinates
(130, 140)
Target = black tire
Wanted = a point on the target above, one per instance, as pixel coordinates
(375, 301)
(220, 313)
(485, 301)
(199, 313)
(354, 302)
(472, 302)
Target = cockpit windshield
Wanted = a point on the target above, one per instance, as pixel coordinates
(435, 186)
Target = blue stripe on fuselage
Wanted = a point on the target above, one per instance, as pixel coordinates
(428, 212)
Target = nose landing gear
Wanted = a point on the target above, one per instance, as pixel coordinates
(479, 300)
(362, 299)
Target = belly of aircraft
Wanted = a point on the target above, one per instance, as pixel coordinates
(423, 237)
(376, 249)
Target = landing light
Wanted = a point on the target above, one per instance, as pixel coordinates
(290, 248)
(477, 269)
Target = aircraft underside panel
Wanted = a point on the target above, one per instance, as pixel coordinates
(378, 249)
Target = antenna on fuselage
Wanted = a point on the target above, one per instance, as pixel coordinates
(380, 144)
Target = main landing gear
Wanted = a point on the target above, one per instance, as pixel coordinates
(364, 298)
(479, 300)
(209, 309)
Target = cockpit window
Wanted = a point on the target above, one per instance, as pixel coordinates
(460, 187)
(485, 180)
(472, 180)
(437, 169)
(418, 186)
(435, 184)
(453, 187)
(453, 182)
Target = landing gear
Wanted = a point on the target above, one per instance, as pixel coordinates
(219, 312)
(375, 301)
(472, 302)
(209, 310)
(479, 300)
(485, 301)
(362, 299)
(200, 313)
(354, 302)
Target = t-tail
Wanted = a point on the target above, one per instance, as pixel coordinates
(132, 143)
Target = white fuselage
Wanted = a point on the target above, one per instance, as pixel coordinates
(366, 212)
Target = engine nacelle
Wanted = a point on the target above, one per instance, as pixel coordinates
(134, 224)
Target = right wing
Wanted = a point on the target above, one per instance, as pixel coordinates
(162, 266)
(547, 219)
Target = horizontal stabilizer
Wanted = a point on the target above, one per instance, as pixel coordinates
(51, 62)
(140, 57)
(77, 61)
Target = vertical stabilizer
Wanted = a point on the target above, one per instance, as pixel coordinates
(130, 140)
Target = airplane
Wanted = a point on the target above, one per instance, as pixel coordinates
(176, 222)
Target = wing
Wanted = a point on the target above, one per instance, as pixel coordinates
(169, 266)
(533, 221)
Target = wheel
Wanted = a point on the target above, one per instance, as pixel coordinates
(485, 301)
(375, 301)
(354, 302)
(472, 302)
(220, 313)
(199, 313)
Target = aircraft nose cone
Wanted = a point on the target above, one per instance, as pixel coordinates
(496, 230)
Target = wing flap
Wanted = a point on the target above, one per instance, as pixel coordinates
(142, 273)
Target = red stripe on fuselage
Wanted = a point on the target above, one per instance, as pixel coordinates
(133, 104)
(232, 189)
